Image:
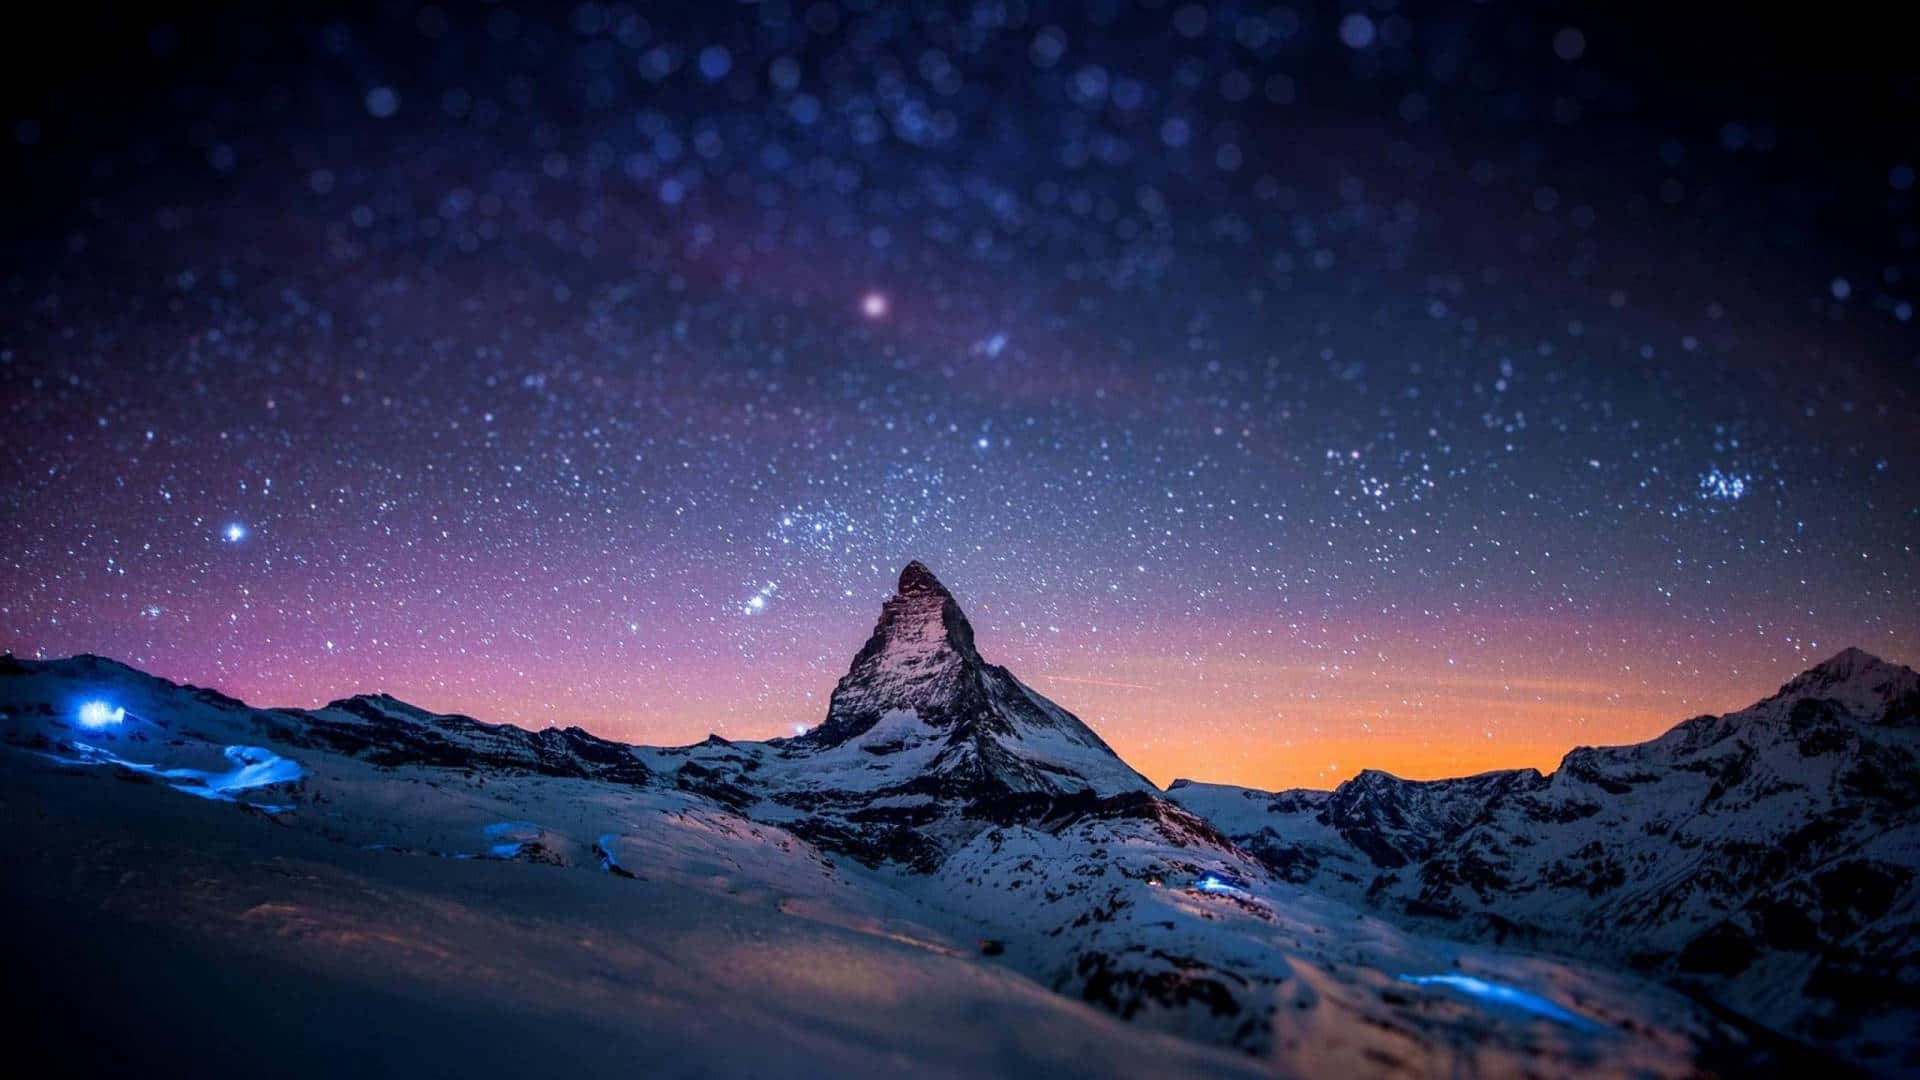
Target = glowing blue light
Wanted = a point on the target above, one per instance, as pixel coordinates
(1501, 994)
(234, 532)
(95, 715)
(1213, 883)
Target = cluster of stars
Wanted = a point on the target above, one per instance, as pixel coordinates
(759, 600)
(1718, 486)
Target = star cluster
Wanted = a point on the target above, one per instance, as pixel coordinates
(1285, 389)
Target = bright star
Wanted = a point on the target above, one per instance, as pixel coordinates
(874, 305)
(234, 532)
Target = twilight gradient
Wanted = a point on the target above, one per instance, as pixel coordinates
(1283, 393)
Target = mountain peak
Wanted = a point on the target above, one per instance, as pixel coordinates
(919, 659)
(919, 681)
(917, 580)
(1847, 663)
(1857, 678)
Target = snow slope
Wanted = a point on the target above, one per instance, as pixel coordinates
(147, 934)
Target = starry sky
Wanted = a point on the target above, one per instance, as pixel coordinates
(1286, 389)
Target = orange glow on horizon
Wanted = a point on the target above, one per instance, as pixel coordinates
(1187, 714)
(1231, 696)
(1317, 738)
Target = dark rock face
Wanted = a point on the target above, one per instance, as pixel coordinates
(391, 733)
(1396, 822)
(920, 658)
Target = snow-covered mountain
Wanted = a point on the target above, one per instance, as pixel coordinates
(922, 743)
(950, 874)
(919, 682)
(1768, 860)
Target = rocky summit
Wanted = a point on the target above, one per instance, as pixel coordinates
(919, 684)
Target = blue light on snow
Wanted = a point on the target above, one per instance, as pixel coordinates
(253, 767)
(507, 828)
(1214, 883)
(1501, 994)
(508, 838)
(95, 715)
(604, 848)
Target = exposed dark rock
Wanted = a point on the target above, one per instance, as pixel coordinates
(391, 733)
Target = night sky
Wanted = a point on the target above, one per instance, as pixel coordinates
(1285, 389)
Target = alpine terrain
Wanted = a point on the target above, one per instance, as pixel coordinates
(1764, 860)
(949, 875)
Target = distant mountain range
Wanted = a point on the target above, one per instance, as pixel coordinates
(1765, 859)
(1730, 897)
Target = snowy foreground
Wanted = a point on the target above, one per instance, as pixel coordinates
(951, 876)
